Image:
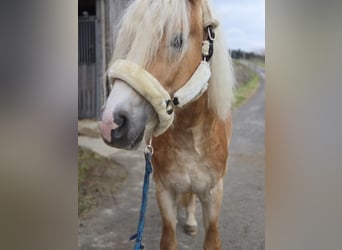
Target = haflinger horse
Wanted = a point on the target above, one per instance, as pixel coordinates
(172, 81)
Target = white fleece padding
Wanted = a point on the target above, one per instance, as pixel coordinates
(195, 87)
(208, 19)
(147, 86)
(205, 48)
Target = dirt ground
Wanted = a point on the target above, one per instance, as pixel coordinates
(242, 214)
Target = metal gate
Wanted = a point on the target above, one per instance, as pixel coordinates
(87, 89)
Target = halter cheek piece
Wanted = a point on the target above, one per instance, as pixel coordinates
(208, 45)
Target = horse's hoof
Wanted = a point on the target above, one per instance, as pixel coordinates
(190, 230)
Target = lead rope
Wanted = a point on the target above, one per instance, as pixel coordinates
(148, 170)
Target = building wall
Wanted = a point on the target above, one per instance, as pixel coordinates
(108, 15)
(114, 10)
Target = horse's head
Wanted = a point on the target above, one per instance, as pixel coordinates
(164, 38)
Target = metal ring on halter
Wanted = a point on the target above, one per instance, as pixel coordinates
(148, 148)
(211, 33)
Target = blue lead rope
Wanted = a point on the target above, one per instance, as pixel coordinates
(148, 170)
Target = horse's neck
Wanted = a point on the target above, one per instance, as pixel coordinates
(194, 114)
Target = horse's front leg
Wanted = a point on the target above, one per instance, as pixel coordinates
(168, 210)
(190, 226)
(211, 204)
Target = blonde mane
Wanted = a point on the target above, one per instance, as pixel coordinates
(222, 81)
(144, 26)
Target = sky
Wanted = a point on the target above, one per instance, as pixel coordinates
(243, 22)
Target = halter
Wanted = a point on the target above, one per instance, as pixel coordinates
(150, 88)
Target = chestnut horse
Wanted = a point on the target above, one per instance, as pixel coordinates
(172, 80)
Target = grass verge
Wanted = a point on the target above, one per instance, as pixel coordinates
(98, 180)
(243, 92)
(258, 62)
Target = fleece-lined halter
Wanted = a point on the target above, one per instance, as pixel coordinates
(150, 88)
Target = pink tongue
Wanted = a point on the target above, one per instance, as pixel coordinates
(106, 128)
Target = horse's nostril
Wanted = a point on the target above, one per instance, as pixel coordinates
(120, 119)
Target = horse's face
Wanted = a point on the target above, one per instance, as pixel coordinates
(127, 116)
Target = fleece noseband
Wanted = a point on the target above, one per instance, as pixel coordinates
(150, 88)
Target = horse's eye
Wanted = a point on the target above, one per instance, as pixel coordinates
(178, 42)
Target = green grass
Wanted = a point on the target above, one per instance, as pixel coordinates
(85, 159)
(244, 91)
(99, 179)
(242, 73)
(258, 62)
(247, 81)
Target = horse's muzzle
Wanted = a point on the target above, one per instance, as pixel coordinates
(121, 130)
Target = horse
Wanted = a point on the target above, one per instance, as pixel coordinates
(172, 86)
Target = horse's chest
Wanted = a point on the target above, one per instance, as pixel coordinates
(190, 174)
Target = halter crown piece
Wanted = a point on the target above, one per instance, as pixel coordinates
(150, 88)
